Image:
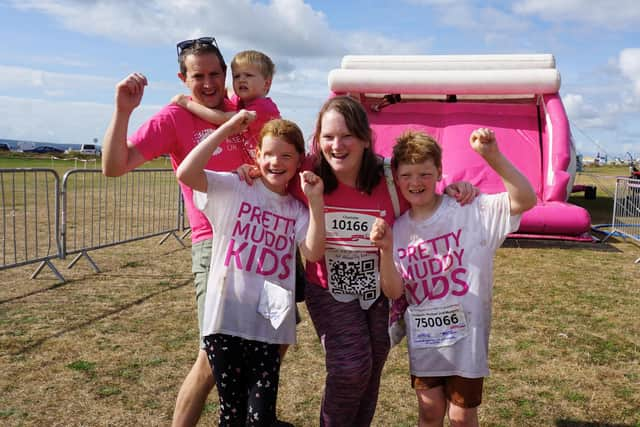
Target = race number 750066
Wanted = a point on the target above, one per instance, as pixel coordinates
(437, 321)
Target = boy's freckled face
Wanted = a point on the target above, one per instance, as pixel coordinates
(417, 182)
(249, 83)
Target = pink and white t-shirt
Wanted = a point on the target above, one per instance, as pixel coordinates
(175, 131)
(251, 288)
(447, 266)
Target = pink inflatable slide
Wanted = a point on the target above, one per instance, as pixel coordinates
(450, 95)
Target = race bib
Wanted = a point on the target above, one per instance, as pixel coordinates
(353, 275)
(437, 326)
(350, 228)
(351, 258)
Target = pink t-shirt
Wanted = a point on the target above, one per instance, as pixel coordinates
(350, 198)
(175, 131)
(265, 110)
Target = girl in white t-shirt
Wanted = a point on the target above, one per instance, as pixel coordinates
(440, 258)
(250, 307)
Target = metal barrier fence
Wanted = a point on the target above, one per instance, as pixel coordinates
(42, 219)
(626, 209)
(29, 202)
(98, 212)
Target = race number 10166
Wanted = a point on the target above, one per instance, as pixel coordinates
(349, 225)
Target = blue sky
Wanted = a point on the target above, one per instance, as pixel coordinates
(61, 59)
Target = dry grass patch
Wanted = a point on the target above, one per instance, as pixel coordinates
(113, 348)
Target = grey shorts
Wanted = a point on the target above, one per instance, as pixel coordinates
(200, 264)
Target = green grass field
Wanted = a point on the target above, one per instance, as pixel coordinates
(62, 162)
(112, 349)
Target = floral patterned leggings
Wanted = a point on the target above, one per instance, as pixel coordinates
(247, 374)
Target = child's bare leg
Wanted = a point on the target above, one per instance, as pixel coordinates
(432, 406)
(463, 417)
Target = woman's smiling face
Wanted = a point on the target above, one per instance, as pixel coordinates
(341, 149)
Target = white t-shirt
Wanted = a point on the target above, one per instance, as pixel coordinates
(253, 259)
(447, 266)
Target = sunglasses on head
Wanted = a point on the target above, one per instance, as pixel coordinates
(186, 44)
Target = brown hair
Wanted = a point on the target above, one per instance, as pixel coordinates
(285, 129)
(253, 57)
(198, 49)
(413, 147)
(355, 117)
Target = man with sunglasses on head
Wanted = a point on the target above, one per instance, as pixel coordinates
(175, 131)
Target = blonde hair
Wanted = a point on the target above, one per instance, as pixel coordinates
(253, 57)
(413, 147)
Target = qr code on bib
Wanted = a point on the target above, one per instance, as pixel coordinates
(353, 275)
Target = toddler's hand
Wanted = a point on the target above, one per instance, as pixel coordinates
(228, 115)
(180, 100)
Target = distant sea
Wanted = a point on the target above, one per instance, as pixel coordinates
(16, 144)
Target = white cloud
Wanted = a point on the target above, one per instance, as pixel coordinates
(305, 48)
(474, 16)
(601, 126)
(584, 114)
(288, 27)
(621, 14)
(67, 61)
(24, 82)
(484, 20)
(603, 108)
(369, 43)
(48, 121)
(573, 104)
(440, 3)
(282, 28)
(22, 78)
(629, 63)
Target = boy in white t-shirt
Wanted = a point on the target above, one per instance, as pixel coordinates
(250, 307)
(252, 73)
(439, 256)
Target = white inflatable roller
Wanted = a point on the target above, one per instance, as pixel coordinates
(448, 62)
(459, 82)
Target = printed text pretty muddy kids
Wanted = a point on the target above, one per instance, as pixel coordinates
(261, 242)
(434, 268)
